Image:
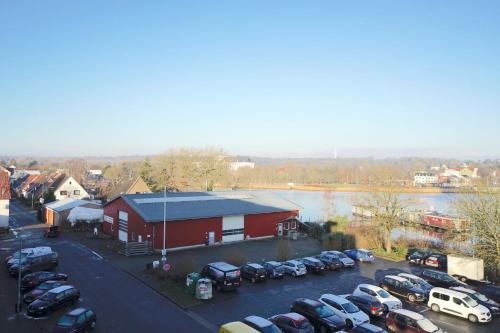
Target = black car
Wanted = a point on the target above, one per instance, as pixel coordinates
(52, 300)
(368, 304)
(261, 324)
(437, 260)
(319, 315)
(493, 306)
(274, 269)
(418, 256)
(402, 287)
(253, 272)
(41, 289)
(224, 276)
(418, 282)
(330, 261)
(491, 291)
(39, 262)
(440, 279)
(32, 280)
(77, 320)
(313, 265)
(367, 328)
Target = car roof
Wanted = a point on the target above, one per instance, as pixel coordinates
(77, 312)
(259, 321)
(408, 313)
(369, 286)
(395, 277)
(223, 266)
(294, 316)
(294, 261)
(335, 298)
(448, 291)
(408, 275)
(312, 259)
(272, 262)
(254, 265)
(433, 271)
(238, 326)
(463, 289)
(60, 289)
(308, 301)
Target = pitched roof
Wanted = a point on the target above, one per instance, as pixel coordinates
(198, 205)
(65, 204)
(127, 187)
(4, 184)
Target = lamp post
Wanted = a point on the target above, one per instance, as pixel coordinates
(164, 252)
(19, 304)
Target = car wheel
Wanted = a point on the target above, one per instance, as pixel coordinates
(472, 318)
(412, 298)
(435, 307)
(348, 324)
(386, 308)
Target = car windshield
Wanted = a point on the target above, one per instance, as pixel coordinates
(384, 294)
(471, 302)
(341, 255)
(422, 282)
(270, 329)
(66, 321)
(350, 308)
(45, 286)
(407, 284)
(301, 266)
(261, 271)
(323, 311)
(448, 278)
(427, 325)
(479, 297)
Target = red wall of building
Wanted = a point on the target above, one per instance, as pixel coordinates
(136, 225)
(260, 225)
(189, 232)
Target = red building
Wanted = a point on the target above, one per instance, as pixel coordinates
(198, 218)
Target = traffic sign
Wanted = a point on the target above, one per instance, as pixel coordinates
(167, 267)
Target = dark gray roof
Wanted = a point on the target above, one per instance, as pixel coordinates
(197, 205)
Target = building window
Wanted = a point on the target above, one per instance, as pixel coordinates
(294, 225)
(286, 225)
(232, 232)
(76, 192)
(63, 192)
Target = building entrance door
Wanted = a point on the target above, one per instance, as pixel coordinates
(280, 229)
(211, 238)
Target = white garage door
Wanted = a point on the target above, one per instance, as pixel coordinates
(122, 235)
(233, 228)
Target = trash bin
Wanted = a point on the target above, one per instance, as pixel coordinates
(191, 280)
(204, 289)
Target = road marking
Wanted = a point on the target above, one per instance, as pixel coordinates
(424, 310)
(97, 254)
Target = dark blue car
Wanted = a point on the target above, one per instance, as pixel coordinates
(360, 255)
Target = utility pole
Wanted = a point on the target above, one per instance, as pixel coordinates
(164, 252)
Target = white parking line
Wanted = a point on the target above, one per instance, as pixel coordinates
(97, 255)
(424, 310)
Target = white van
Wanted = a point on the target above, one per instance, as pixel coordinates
(458, 304)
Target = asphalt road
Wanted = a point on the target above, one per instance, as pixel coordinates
(122, 303)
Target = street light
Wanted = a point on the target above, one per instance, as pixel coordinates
(19, 304)
(164, 251)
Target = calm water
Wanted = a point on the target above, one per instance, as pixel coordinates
(318, 206)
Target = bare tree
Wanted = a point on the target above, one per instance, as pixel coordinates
(388, 208)
(482, 211)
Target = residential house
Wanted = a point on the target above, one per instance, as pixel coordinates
(234, 166)
(68, 187)
(131, 186)
(425, 179)
(4, 199)
(56, 213)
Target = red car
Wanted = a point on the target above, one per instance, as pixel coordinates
(41, 289)
(405, 321)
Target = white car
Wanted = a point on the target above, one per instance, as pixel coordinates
(294, 268)
(346, 310)
(458, 304)
(389, 302)
(27, 252)
(345, 260)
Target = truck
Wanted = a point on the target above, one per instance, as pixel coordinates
(466, 269)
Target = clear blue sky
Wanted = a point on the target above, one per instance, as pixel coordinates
(269, 78)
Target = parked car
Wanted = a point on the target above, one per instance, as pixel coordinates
(274, 269)
(436, 260)
(35, 262)
(388, 301)
(418, 256)
(367, 328)
(331, 262)
(368, 304)
(224, 276)
(52, 300)
(405, 321)
(418, 282)
(491, 291)
(76, 321)
(253, 272)
(493, 306)
(313, 265)
(402, 287)
(441, 279)
(458, 304)
(236, 327)
(346, 310)
(32, 280)
(319, 315)
(345, 260)
(14, 258)
(292, 323)
(361, 255)
(41, 289)
(261, 324)
(295, 268)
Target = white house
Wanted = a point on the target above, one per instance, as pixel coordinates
(4, 198)
(425, 179)
(95, 172)
(69, 188)
(233, 166)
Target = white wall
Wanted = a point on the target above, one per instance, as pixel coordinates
(4, 213)
(70, 186)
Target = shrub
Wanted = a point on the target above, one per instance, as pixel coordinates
(316, 231)
(284, 250)
(338, 241)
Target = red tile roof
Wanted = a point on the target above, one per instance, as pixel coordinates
(4, 185)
